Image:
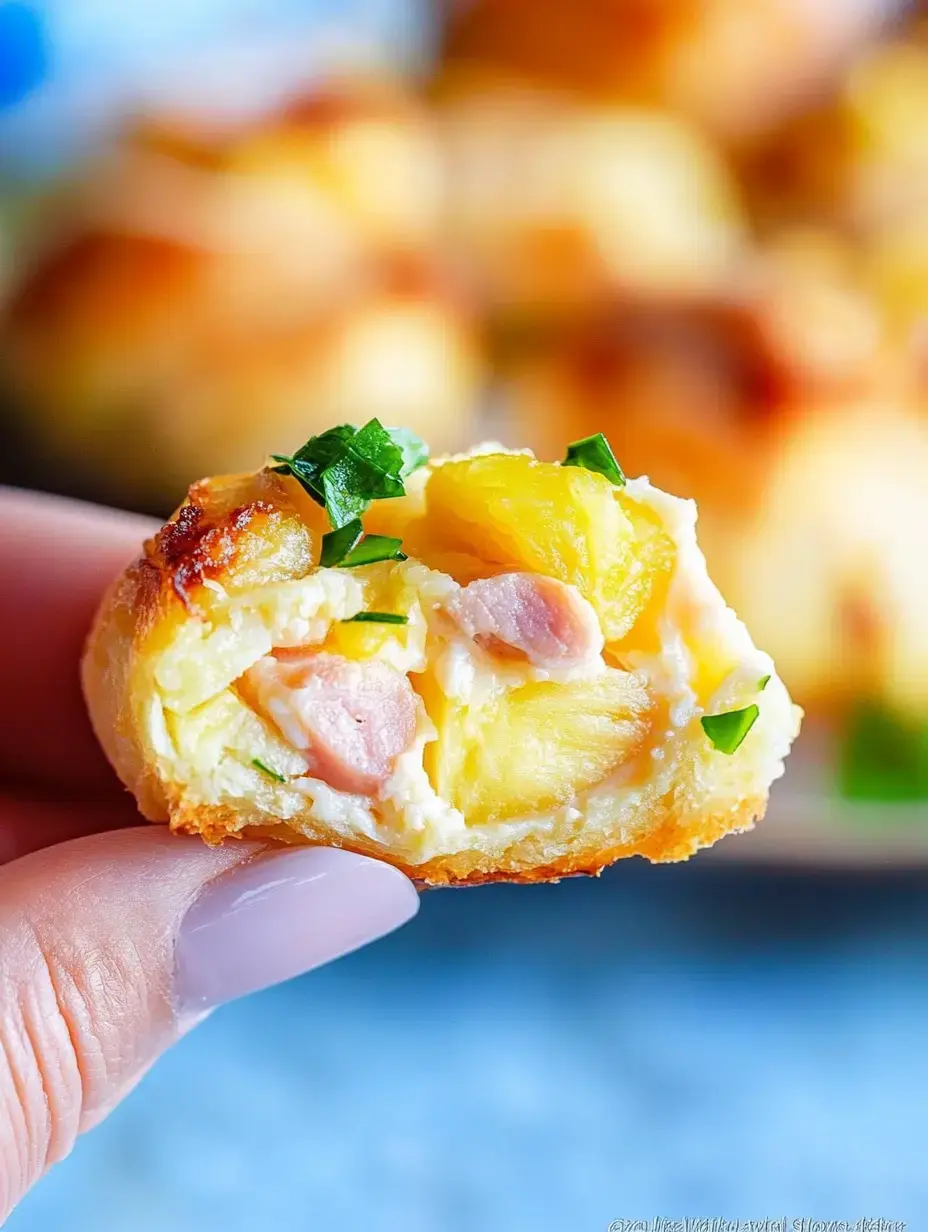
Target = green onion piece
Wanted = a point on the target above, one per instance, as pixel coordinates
(594, 453)
(271, 774)
(883, 757)
(727, 731)
(338, 543)
(371, 549)
(763, 682)
(377, 618)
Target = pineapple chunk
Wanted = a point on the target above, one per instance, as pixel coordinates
(514, 512)
(524, 514)
(385, 590)
(636, 597)
(532, 748)
(364, 641)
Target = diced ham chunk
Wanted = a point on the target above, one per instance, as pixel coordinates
(352, 719)
(547, 621)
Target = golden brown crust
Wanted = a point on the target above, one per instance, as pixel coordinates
(679, 837)
(220, 528)
(128, 613)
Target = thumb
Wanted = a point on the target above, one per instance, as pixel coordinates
(112, 946)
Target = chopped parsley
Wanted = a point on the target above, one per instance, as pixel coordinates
(271, 774)
(377, 618)
(763, 682)
(346, 468)
(883, 757)
(727, 731)
(594, 453)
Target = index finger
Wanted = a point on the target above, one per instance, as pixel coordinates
(56, 558)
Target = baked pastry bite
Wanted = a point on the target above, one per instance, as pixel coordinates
(510, 670)
(223, 290)
(853, 630)
(558, 202)
(737, 69)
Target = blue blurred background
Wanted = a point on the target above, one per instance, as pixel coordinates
(720, 1039)
(68, 68)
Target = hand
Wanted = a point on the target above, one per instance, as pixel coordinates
(115, 942)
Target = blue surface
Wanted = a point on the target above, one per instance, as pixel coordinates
(673, 1041)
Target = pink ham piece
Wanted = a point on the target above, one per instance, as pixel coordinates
(352, 719)
(547, 621)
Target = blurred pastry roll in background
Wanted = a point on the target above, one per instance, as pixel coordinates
(214, 292)
(737, 68)
(555, 202)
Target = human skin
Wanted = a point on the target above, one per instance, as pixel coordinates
(116, 938)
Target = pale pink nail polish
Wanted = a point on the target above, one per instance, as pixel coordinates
(279, 915)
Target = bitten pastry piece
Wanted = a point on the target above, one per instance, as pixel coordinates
(517, 670)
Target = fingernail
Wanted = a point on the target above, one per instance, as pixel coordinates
(282, 914)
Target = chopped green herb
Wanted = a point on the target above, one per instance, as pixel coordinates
(727, 731)
(271, 774)
(377, 618)
(883, 757)
(371, 549)
(338, 543)
(763, 682)
(346, 468)
(308, 463)
(594, 453)
(349, 547)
